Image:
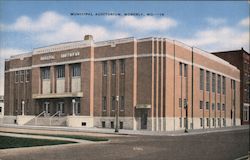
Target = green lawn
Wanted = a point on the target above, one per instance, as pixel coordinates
(82, 137)
(17, 142)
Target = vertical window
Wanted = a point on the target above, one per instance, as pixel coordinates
(201, 122)
(218, 105)
(60, 72)
(223, 85)
(46, 73)
(113, 67)
(180, 122)
(223, 107)
(207, 81)
(213, 106)
(78, 107)
(122, 66)
(22, 76)
(27, 75)
(76, 70)
(105, 68)
(185, 70)
(224, 122)
(245, 113)
(17, 76)
(208, 122)
(180, 68)
(219, 123)
(213, 82)
(185, 122)
(218, 84)
(122, 103)
(185, 103)
(201, 104)
(201, 79)
(104, 103)
(207, 105)
(213, 122)
(180, 102)
(113, 103)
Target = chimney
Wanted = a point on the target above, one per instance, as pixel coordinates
(88, 37)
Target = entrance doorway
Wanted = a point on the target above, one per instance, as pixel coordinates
(60, 107)
(46, 108)
(144, 119)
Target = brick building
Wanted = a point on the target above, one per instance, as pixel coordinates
(158, 84)
(240, 59)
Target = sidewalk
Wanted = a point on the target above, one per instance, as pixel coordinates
(128, 132)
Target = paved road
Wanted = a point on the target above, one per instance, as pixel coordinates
(212, 146)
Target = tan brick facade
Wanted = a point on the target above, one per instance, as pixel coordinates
(156, 80)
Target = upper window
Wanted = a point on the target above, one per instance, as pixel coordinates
(113, 67)
(105, 68)
(122, 103)
(201, 104)
(180, 102)
(60, 72)
(223, 85)
(185, 70)
(27, 75)
(213, 82)
(22, 76)
(113, 103)
(218, 105)
(180, 67)
(17, 76)
(104, 103)
(201, 79)
(218, 84)
(207, 105)
(46, 73)
(76, 70)
(207, 81)
(122, 66)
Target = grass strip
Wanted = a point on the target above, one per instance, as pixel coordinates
(81, 137)
(17, 142)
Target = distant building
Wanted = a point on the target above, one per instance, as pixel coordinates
(158, 84)
(240, 59)
(1, 106)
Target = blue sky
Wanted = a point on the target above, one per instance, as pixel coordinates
(210, 25)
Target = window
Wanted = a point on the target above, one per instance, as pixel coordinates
(103, 124)
(104, 103)
(185, 70)
(201, 122)
(185, 122)
(113, 67)
(201, 104)
(224, 122)
(213, 106)
(208, 121)
(113, 103)
(180, 102)
(46, 73)
(76, 70)
(223, 85)
(223, 107)
(219, 123)
(112, 124)
(22, 76)
(218, 84)
(0, 109)
(218, 105)
(17, 76)
(233, 84)
(60, 72)
(245, 113)
(105, 68)
(207, 105)
(180, 67)
(201, 79)
(185, 103)
(121, 125)
(122, 66)
(27, 75)
(207, 81)
(213, 82)
(122, 103)
(180, 122)
(78, 107)
(213, 122)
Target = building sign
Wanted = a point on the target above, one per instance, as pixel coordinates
(47, 57)
(70, 54)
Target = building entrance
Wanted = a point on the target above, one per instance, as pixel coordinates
(144, 119)
(60, 107)
(46, 108)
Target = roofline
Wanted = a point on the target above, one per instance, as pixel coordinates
(227, 51)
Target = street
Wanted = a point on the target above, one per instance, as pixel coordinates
(211, 146)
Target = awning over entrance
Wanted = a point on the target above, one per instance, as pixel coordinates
(143, 106)
(57, 95)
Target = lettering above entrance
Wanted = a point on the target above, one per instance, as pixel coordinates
(70, 54)
(143, 106)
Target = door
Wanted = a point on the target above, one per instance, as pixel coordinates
(60, 107)
(46, 108)
(144, 118)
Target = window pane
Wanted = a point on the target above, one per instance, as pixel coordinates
(201, 79)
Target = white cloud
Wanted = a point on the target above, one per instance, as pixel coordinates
(223, 38)
(215, 21)
(244, 22)
(145, 23)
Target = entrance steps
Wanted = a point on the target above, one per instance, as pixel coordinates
(48, 121)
